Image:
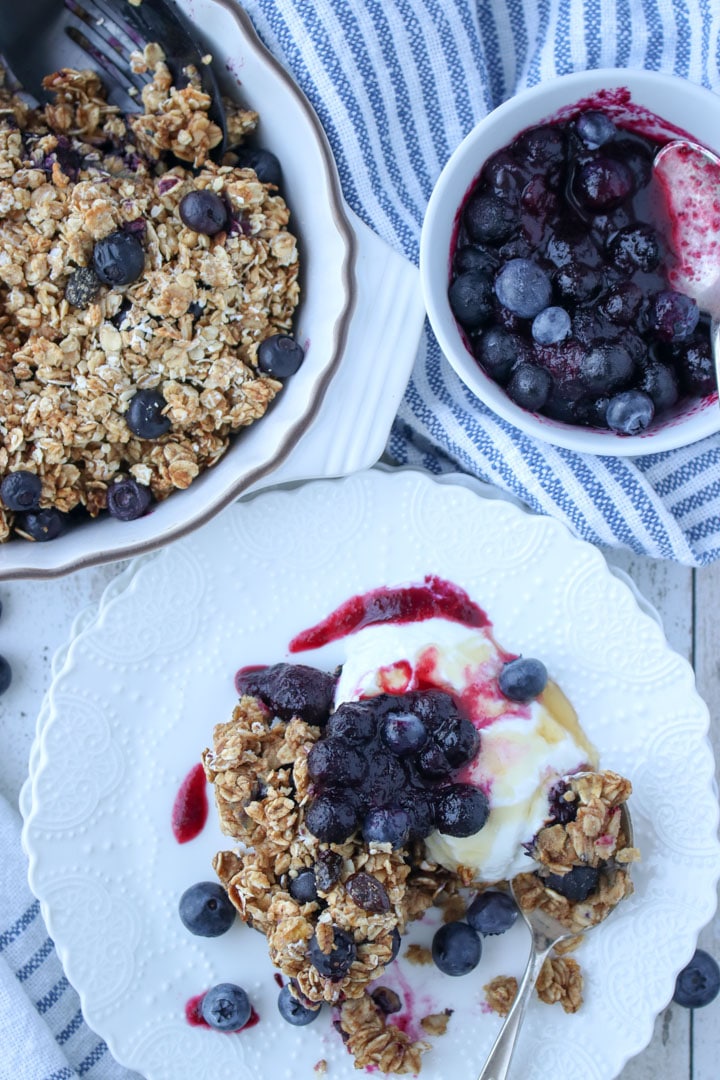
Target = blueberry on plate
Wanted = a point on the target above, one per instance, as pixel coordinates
(206, 910)
(461, 810)
(293, 1010)
(576, 884)
(128, 500)
(21, 490)
(119, 259)
(698, 983)
(204, 212)
(456, 948)
(335, 964)
(266, 166)
(226, 1007)
(523, 679)
(144, 415)
(630, 412)
(492, 912)
(42, 525)
(279, 356)
(5, 674)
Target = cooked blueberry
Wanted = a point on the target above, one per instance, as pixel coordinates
(403, 733)
(144, 415)
(470, 297)
(119, 259)
(206, 910)
(594, 128)
(543, 147)
(420, 808)
(293, 1010)
(529, 386)
(576, 282)
(290, 690)
(386, 1000)
(523, 679)
(280, 356)
(576, 884)
(21, 490)
(333, 762)
(353, 721)
(303, 887)
(497, 351)
(621, 303)
(42, 525)
(603, 183)
(385, 778)
(332, 818)
(607, 366)
(523, 287)
(473, 258)
(335, 964)
(328, 868)
(458, 739)
(432, 706)
(634, 248)
(492, 912)
(698, 983)
(694, 364)
(385, 825)
(456, 948)
(504, 176)
(461, 810)
(82, 287)
(636, 155)
(562, 810)
(432, 763)
(128, 500)
(226, 1007)
(5, 674)
(672, 316)
(204, 212)
(551, 325)
(266, 166)
(660, 383)
(630, 412)
(367, 892)
(489, 220)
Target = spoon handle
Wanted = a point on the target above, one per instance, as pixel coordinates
(498, 1062)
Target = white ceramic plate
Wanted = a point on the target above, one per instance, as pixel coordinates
(144, 684)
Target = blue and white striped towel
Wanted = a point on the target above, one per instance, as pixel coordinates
(397, 84)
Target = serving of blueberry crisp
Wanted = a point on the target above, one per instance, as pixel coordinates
(146, 296)
(428, 770)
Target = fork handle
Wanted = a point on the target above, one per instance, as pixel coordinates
(498, 1062)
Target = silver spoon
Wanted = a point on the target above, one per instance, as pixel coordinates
(546, 933)
(690, 177)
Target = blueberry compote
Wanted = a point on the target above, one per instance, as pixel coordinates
(559, 279)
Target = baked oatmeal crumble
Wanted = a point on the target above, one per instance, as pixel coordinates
(72, 174)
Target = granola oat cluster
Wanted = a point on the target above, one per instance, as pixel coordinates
(72, 354)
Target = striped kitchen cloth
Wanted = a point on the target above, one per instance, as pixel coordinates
(397, 84)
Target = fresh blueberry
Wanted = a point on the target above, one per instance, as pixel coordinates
(203, 212)
(634, 248)
(461, 810)
(551, 325)
(119, 259)
(385, 825)
(334, 763)
(492, 912)
(226, 1007)
(353, 721)
(489, 220)
(630, 412)
(290, 690)
(144, 415)
(698, 983)
(42, 525)
(293, 1010)
(82, 287)
(672, 316)
(470, 297)
(266, 166)
(523, 679)
(523, 288)
(303, 887)
(497, 350)
(607, 366)
(529, 386)
(403, 733)
(128, 500)
(594, 128)
(335, 964)
(206, 910)
(660, 383)
(279, 356)
(21, 490)
(603, 184)
(5, 674)
(576, 884)
(332, 818)
(456, 948)
(458, 739)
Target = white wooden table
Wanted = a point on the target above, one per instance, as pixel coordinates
(37, 617)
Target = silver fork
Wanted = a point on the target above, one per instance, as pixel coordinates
(38, 37)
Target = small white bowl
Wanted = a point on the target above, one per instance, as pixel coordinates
(684, 109)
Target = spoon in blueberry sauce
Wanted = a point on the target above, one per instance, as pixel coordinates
(689, 176)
